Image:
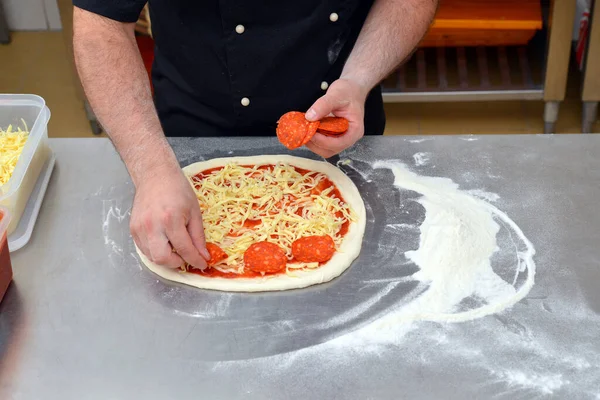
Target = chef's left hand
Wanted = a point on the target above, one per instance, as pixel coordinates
(344, 98)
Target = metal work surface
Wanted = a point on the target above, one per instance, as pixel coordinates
(84, 319)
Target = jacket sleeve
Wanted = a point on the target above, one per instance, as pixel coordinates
(118, 10)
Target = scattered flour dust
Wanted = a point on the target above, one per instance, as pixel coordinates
(418, 140)
(112, 214)
(484, 195)
(421, 158)
(115, 231)
(545, 384)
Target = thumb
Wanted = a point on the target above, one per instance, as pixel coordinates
(325, 106)
(196, 231)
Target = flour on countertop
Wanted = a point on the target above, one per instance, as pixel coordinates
(489, 196)
(458, 239)
(207, 310)
(419, 140)
(112, 215)
(545, 384)
(116, 211)
(421, 158)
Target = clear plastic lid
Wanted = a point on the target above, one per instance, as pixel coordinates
(14, 109)
(4, 221)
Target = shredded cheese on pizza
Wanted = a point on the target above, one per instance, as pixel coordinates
(11, 147)
(242, 205)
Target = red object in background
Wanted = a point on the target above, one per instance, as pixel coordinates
(5, 265)
(584, 31)
(146, 46)
(484, 23)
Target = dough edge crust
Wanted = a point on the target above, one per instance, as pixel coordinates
(348, 252)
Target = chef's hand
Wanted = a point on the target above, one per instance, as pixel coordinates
(344, 98)
(166, 221)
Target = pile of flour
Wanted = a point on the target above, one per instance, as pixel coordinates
(457, 242)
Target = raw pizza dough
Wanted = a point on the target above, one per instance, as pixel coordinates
(342, 259)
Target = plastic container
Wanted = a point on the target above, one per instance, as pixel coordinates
(5, 265)
(14, 109)
(468, 23)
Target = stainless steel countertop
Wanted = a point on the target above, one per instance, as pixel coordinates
(84, 320)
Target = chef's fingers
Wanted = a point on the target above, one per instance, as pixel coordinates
(137, 233)
(335, 144)
(328, 146)
(141, 244)
(323, 152)
(326, 105)
(181, 241)
(196, 231)
(161, 251)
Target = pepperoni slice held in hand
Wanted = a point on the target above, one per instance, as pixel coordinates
(312, 130)
(216, 254)
(294, 130)
(265, 257)
(333, 126)
(313, 249)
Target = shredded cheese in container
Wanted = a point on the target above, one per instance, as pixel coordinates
(242, 205)
(11, 146)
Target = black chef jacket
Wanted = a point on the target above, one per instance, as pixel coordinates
(233, 67)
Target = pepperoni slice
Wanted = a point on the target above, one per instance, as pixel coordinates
(293, 129)
(265, 257)
(333, 125)
(216, 254)
(313, 249)
(312, 131)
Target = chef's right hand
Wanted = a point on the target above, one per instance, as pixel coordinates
(166, 221)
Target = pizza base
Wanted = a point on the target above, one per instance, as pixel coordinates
(341, 260)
